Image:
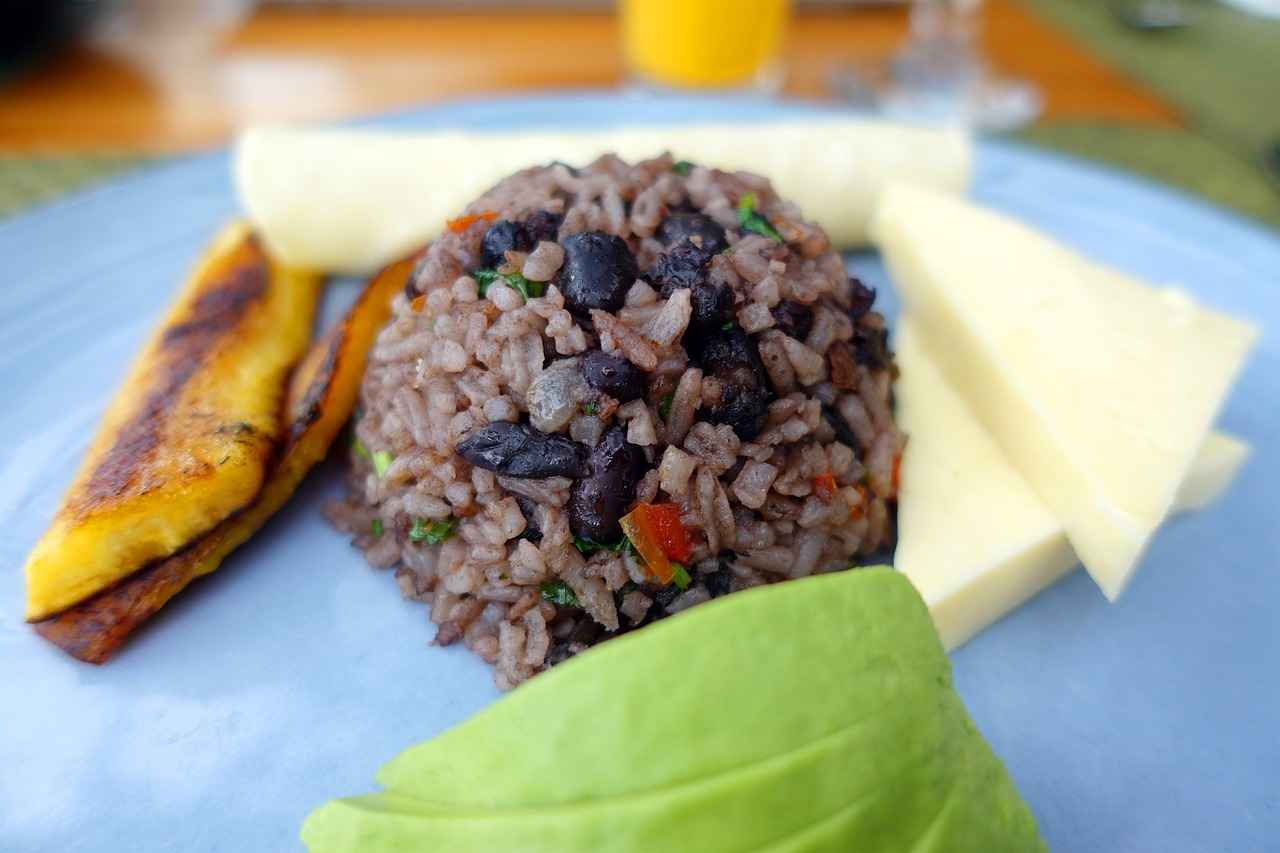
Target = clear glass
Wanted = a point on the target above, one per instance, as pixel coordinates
(704, 44)
(939, 75)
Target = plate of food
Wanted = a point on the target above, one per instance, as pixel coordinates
(611, 473)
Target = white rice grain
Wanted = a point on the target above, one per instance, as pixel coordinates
(752, 483)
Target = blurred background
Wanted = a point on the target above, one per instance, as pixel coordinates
(1186, 91)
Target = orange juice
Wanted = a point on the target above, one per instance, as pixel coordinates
(689, 43)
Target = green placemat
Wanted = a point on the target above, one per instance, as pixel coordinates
(28, 180)
(1222, 71)
(1182, 158)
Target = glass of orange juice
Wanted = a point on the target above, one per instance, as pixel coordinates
(690, 44)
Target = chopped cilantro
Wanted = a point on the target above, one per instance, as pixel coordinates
(586, 546)
(680, 575)
(517, 282)
(484, 278)
(359, 449)
(433, 533)
(381, 461)
(682, 167)
(590, 408)
(750, 220)
(558, 592)
(376, 527)
(528, 289)
(664, 407)
(727, 326)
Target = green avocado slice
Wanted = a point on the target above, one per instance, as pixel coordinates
(810, 715)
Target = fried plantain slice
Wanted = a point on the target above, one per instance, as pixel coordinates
(189, 436)
(322, 394)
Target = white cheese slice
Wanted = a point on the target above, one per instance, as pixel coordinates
(1216, 467)
(972, 535)
(1100, 389)
(347, 201)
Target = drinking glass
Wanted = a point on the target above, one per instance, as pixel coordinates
(718, 44)
(940, 75)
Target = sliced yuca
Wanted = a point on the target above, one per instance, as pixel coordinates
(1099, 388)
(350, 201)
(189, 436)
(972, 535)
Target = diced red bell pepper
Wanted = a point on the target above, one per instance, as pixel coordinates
(647, 547)
(659, 536)
(668, 530)
(462, 223)
(824, 486)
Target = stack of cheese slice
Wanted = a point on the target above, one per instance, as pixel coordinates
(1069, 398)
(973, 536)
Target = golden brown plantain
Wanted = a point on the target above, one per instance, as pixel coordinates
(321, 397)
(189, 435)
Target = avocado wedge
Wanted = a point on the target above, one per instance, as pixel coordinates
(817, 714)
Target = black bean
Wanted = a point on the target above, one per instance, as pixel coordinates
(730, 350)
(718, 583)
(543, 225)
(685, 266)
(611, 375)
(743, 408)
(679, 226)
(598, 271)
(661, 601)
(583, 633)
(732, 358)
(558, 653)
(519, 450)
(871, 347)
(863, 298)
(586, 632)
(793, 319)
(712, 306)
(599, 499)
(503, 236)
(840, 427)
(529, 509)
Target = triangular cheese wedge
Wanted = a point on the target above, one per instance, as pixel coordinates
(1216, 467)
(1099, 388)
(972, 535)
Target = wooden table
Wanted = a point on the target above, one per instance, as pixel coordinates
(163, 77)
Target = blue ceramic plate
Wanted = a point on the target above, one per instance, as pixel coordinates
(289, 676)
